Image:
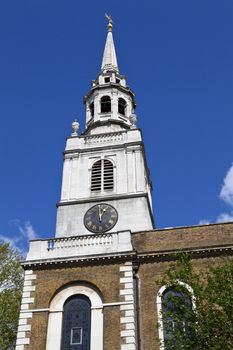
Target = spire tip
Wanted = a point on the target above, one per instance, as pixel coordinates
(110, 22)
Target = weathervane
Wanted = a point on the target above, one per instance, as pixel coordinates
(110, 21)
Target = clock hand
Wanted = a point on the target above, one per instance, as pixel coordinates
(101, 213)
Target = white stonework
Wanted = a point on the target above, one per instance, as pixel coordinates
(25, 314)
(131, 195)
(80, 246)
(128, 334)
(133, 214)
(114, 94)
(104, 138)
(109, 57)
(112, 135)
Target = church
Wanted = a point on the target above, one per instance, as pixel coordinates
(95, 285)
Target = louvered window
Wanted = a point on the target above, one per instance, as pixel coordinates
(96, 176)
(107, 175)
(102, 176)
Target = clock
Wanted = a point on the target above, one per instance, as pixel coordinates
(100, 218)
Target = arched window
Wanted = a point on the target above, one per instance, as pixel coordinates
(121, 106)
(76, 328)
(105, 104)
(92, 109)
(175, 306)
(69, 311)
(102, 177)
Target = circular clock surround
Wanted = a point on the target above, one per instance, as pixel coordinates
(100, 218)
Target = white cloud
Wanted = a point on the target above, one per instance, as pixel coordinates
(20, 240)
(225, 217)
(27, 230)
(226, 193)
(12, 241)
(204, 222)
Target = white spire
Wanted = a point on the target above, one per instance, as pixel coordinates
(109, 57)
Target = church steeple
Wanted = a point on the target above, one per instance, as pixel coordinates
(110, 104)
(105, 174)
(109, 61)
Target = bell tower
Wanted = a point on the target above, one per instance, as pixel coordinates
(106, 185)
(110, 103)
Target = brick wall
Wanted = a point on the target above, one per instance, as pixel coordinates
(115, 282)
(183, 237)
(49, 281)
(150, 275)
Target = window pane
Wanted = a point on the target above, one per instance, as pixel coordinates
(176, 313)
(76, 335)
(76, 328)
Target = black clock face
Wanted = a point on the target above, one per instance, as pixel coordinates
(100, 218)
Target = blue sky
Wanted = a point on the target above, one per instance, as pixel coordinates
(178, 58)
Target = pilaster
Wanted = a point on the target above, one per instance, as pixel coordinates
(128, 333)
(25, 316)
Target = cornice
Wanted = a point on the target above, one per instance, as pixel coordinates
(134, 256)
(81, 260)
(109, 198)
(85, 134)
(126, 90)
(104, 147)
(100, 123)
(197, 252)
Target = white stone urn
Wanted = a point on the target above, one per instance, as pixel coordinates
(75, 128)
(133, 120)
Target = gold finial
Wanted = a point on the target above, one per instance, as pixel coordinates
(110, 22)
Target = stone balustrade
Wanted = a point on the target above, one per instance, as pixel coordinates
(83, 241)
(76, 246)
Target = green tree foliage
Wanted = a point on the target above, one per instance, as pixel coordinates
(202, 320)
(11, 283)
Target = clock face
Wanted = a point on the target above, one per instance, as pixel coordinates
(100, 218)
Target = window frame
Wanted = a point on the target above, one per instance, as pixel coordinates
(71, 336)
(68, 326)
(104, 175)
(103, 104)
(159, 307)
(122, 105)
(54, 330)
(92, 109)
